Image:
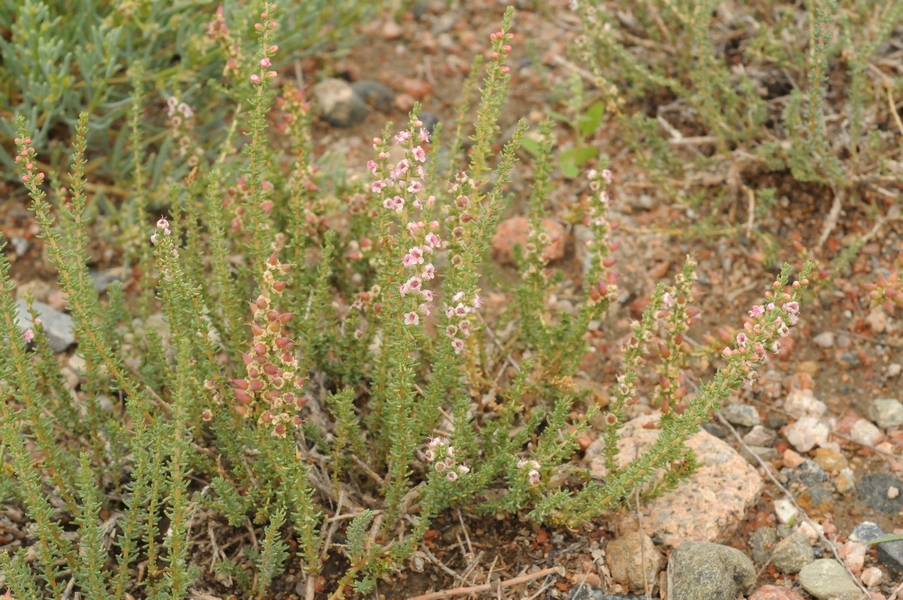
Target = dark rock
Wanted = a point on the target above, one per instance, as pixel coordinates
(792, 554)
(873, 490)
(762, 542)
(375, 94)
(742, 415)
(584, 591)
(420, 10)
(715, 429)
(103, 279)
(889, 553)
(337, 104)
(808, 474)
(429, 121)
(705, 571)
(57, 325)
(776, 422)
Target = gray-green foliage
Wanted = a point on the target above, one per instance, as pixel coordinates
(277, 395)
(768, 85)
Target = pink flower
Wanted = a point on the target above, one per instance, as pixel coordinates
(534, 477)
(458, 345)
(458, 297)
(433, 240)
(741, 339)
(164, 225)
(451, 331)
(389, 203)
(426, 295)
(726, 352)
(419, 154)
(606, 175)
(461, 310)
(429, 272)
(402, 167)
(792, 307)
(413, 284)
(255, 79)
(28, 335)
(424, 309)
(399, 202)
(371, 164)
(477, 301)
(465, 328)
(402, 137)
(264, 63)
(451, 476)
(757, 311)
(463, 469)
(403, 289)
(415, 187)
(416, 255)
(424, 135)
(449, 312)
(378, 186)
(411, 318)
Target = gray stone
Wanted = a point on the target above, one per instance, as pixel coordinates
(792, 554)
(584, 591)
(57, 325)
(704, 571)
(826, 578)
(886, 412)
(20, 245)
(103, 279)
(766, 454)
(889, 553)
(808, 473)
(429, 120)
(337, 104)
(824, 339)
(628, 555)
(873, 489)
(760, 436)
(375, 94)
(762, 542)
(715, 429)
(743, 415)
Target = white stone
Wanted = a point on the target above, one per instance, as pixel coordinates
(785, 510)
(807, 433)
(894, 369)
(886, 412)
(872, 577)
(865, 433)
(824, 339)
(812, 534)
(893, 492)
(802, 403)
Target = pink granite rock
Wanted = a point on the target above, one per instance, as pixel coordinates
(773, 592)
(708, 506)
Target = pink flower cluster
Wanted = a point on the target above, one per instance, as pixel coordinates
(272, 381)
(163, 226)
(459, 310)
(442, 456)
(532, 473)
(27, 155)
(766, 322)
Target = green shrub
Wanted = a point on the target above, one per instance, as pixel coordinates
(357, 367)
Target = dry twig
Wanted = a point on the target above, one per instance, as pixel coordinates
(476, 589)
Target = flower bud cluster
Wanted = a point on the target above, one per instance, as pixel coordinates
(532, 468)
(458, 313)
(181, 123)
(767, 322)
(442, 456)
(500, 48)
(272, 389)
(26, 158)
(218, 31)
(887, 290)
(162, 227)
(673, 317)
(265, 27)
(600, 245)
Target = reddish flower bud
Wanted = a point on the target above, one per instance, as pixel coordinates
(262, 303)
(256, 386)
(286, 317)
(267, 417)
(664, 382)
(609, 262)
(283, 342)
(247, 358)
(287, 357)
(242, 397)
(270, 369)
(664, 351)
(679, 339)
(279, 429)
(301, 401)
(279, 285)
(273, 260)
(241, 384)
(261, 360)
(272, 315)
(256, 329)
(260, 348)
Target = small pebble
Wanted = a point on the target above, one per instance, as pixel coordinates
(807, 432)
(886, 412)
(824, 339)
(785, 510)
(742, 415)
(865, 433)
(894, 369)
(845, 480)
(760, 436)
(872, 577)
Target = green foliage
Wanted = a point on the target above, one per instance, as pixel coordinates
(258, 393)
